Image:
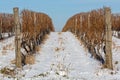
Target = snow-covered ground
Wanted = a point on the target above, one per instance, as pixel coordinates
(61, 57)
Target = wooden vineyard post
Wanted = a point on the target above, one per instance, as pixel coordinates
(17, 37)
(75, 24)
(88, 20)
(1, 27)
(108, 38)
(81, 21)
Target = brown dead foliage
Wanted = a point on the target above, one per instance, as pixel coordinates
(6, 24)
(89, 27)
(35, 26)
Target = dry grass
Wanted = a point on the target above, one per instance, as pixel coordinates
(60, 39)
(8, 47)
(59, 33)
(116, 62)
(57, 49)
(5, 48)
(37, 48)
(13, 61)
(45, 38)
(4, 52)
(115, 47)
(30, 59)
(8, 72)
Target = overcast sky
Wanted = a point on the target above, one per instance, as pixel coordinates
(59, 10)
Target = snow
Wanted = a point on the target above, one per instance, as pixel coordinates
(61, 57)
(6, 51)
